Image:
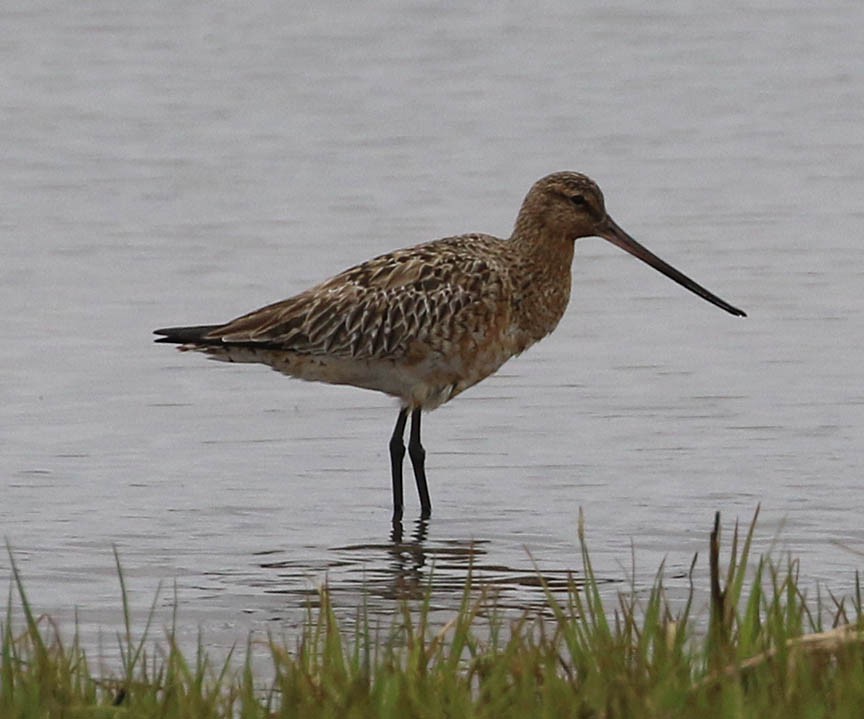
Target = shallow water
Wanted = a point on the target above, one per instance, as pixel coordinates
(167, 165)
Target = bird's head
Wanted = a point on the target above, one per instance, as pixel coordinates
(564, 206)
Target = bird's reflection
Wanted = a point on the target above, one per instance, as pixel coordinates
(408, 559)
(421, 530)
(411, 562)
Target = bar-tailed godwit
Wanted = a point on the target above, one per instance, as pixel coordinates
(424, 324)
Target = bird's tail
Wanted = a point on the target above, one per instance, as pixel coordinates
(187, 335)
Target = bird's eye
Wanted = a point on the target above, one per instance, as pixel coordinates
(579, 200)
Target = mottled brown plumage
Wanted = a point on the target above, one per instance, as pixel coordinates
(425, 323)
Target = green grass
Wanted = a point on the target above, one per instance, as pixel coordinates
(764, 650)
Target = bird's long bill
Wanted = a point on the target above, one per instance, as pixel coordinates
(617, 236)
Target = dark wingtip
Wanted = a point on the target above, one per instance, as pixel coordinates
(184, 335)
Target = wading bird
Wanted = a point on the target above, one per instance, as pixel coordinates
(424, 324)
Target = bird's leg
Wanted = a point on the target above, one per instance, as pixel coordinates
(418, 462)
(397, 452)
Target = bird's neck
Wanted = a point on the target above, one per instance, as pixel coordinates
(542, 280)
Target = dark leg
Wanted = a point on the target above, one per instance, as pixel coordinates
(418, 460)
(397, 452)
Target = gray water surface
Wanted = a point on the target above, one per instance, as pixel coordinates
(175, 164)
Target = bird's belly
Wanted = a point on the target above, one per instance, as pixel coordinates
(439, 377)
(427, 381)
(381, 375)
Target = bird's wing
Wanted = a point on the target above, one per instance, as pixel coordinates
(432, 294)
